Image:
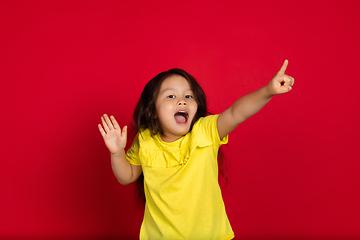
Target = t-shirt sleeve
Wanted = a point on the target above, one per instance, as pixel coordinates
(208, 126)
(132, 155)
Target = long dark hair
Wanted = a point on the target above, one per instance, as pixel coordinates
(145, 112)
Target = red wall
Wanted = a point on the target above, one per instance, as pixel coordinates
(293, 167)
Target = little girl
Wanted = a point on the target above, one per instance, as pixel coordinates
(176, 149)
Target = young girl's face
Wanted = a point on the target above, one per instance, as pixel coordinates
(175, 107)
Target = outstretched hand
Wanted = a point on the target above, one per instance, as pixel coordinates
(281, 83)
(114, 137)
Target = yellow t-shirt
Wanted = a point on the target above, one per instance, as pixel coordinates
(183, 197)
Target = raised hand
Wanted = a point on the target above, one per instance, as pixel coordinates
(281, 83)
(114, 137)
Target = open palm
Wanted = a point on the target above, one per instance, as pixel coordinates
(114, 137)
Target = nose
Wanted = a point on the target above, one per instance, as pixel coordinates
(182, 102)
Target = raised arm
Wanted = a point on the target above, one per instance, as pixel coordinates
(115, 140)
(248, 105)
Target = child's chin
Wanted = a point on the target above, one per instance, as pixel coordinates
(182, 132)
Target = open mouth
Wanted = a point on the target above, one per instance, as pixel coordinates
(181, 117)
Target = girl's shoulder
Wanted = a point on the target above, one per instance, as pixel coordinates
(206, 123)
(146, 139)
(207, 127)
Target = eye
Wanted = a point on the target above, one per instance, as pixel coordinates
(188, 96)
(171, 96)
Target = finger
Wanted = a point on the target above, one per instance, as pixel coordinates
(287, 86)
(124, 132)
(115, 123)
(108, 122)
(284, 66)
(292, 81)
(287, 81)
(101, 130)
(284, 89)
(105, 124)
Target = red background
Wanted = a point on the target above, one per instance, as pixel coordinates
(293, 167)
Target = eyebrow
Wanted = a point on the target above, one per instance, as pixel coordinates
(167, 89)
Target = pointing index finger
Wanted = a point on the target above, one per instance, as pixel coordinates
(284, 66)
